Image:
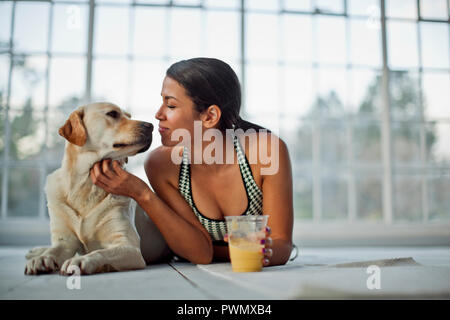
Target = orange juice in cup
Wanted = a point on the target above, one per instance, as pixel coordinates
(244, 242)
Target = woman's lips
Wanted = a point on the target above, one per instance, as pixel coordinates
(163, 129)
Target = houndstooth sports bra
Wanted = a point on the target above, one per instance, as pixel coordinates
(217, 228)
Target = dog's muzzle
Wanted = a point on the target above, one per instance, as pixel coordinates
(144, 138)
(146, 129)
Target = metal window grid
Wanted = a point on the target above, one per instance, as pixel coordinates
(385, 121)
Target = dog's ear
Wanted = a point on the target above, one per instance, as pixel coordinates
(127, 114)
(73, 130)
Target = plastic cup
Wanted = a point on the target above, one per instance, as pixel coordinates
(244, 242)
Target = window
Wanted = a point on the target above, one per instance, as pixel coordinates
(312, 71)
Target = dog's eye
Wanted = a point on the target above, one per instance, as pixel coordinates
(113, 114)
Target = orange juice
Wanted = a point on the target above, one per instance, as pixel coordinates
(245, 256)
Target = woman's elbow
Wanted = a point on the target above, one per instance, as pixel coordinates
(202, 259)
(204, 256)
(285, 253)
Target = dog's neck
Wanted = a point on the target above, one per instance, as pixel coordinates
(79, 162)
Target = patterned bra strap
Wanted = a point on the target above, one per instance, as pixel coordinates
(244, 166)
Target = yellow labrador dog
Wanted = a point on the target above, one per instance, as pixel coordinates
(90, 228)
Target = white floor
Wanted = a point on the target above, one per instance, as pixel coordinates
(318, 273)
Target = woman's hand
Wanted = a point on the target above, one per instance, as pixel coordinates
(267, 250)
(110, 176)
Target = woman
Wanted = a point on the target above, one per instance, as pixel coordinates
(190, 200)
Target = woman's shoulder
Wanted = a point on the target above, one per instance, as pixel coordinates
(262, 143)
(265, 152)
(159, 164)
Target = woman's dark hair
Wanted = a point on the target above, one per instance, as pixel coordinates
(210, 81)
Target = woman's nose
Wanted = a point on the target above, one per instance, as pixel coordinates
(159, 114)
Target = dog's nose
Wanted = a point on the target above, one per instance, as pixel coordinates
(148, 126)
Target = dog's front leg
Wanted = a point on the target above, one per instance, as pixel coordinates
(64, 244)
(46, 260)
(116, 258)
(119, 247)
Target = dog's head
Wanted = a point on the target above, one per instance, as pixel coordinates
(108, 130)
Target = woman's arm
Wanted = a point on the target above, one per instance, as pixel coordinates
(168, 210)
(182, 236)
(278, 204)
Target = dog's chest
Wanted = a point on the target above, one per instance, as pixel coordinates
(84, 198)
(96, 214)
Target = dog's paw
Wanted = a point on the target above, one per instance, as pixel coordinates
(41, 264)
(85, 265)
(37, 251)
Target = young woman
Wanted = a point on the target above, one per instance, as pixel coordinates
(191, 198)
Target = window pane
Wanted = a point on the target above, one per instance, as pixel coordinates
(69, 28)
(185, 38)
(303, 199)
(233, 4)
(298, 137)
(2, 134)
(23, 192)
(438, 199)
(364, 93)
(332, 93)
(28, 82)
(187, 2)
(1, 177)
(261, 39)
(271, 123)
(297, 91)
(153, 1)
(149, 32)
(438, 148)
(404, 94)
(223, 37)
(434, 45)
(364, 7)
(365, 44)
(407, 198)
(433, 9)
(367, 142)
(401, 9)
(31, 26)
(436, 94)
(297, 38)
(5, 24)
(67, 80)
(402, 44)
(111, 30)
(369, 197)
(334, 143)
(331, 40)
(334, 6)
(296, 5)
(334, 198)
(4, 72)
(113, 1)
(262, 90)
(406, 143)
(27, 135)
(262, 4)
(110, 81)
(146, 87)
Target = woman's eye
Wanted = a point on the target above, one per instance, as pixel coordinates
(171, 107)
(113, 114)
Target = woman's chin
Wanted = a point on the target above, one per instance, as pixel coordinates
(166, 142)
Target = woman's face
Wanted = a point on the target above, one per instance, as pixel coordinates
(176, 112)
